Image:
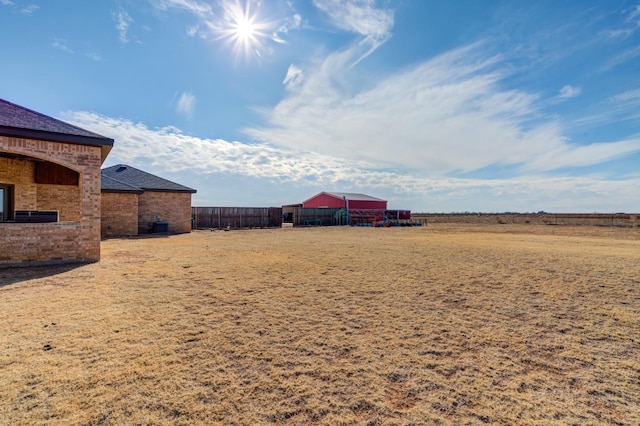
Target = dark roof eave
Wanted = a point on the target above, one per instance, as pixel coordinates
(122, 191)
(186, 191)
(20, 132)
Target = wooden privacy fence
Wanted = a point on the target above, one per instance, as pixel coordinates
(594, 219)
(236, 217)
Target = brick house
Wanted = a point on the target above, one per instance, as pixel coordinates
(136, 202)
(49, 189)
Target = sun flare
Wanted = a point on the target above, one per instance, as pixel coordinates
(243, 29)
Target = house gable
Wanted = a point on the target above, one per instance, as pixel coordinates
(20, 122)
(53, 171)
(157, 200)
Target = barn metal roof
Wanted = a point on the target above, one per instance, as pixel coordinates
(132, 177)
(350, 196)
(353, 196)
(20, 122)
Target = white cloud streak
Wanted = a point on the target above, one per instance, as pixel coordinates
(632, 24)
(621, 58)
(60, 45)
(192, 30)
(186, 104)
(291, 23)
(444, 116)
(358, 16)
(28, 10)
(568, 92)
(167, 150)
(621, 107)
(293, 77)
(95, 56)
(200, 9)
(123, 20)
(632, 96)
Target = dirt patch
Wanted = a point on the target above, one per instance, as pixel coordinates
(444, 324)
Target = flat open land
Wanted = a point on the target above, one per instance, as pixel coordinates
(443, 324)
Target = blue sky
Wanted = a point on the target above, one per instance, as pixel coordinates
(436, 106)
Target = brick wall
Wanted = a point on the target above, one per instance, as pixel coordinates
(119, 214)
(78, 237)
(64, 198)
(41, 243)
(171, 207)
(21, 174)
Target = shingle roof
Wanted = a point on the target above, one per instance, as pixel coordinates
(135, 178)
(21, 122)
(109, 184)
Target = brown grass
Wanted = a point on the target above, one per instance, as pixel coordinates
(336, 326)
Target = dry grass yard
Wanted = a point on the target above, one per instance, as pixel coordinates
(444, 324)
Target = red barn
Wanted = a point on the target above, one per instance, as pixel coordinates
(341, 200)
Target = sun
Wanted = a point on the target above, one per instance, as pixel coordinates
(242, 29)
(245, 31)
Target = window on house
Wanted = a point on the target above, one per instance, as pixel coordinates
(6, 203)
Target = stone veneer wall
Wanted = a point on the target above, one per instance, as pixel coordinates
(77, 238)
(119, 214)
(171, 207)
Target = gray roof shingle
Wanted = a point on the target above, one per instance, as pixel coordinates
(109, 184)
(21, 122)
(132, 177)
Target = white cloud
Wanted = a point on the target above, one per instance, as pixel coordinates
(631, 26)
(628, 96)
(291, 23)
(60, 45)
(294, 76)
(28, 10)
(568, 92)
(123, 20)
(626, 105)
(6, 2)
(579, 156)
(200, 9)
(358, 16)
(167, 150)
(95, 57)
(192, 30)
(621, 58)
(621, 107)
(444, 116)
(186, 104)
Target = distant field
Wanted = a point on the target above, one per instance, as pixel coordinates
(443, 324)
